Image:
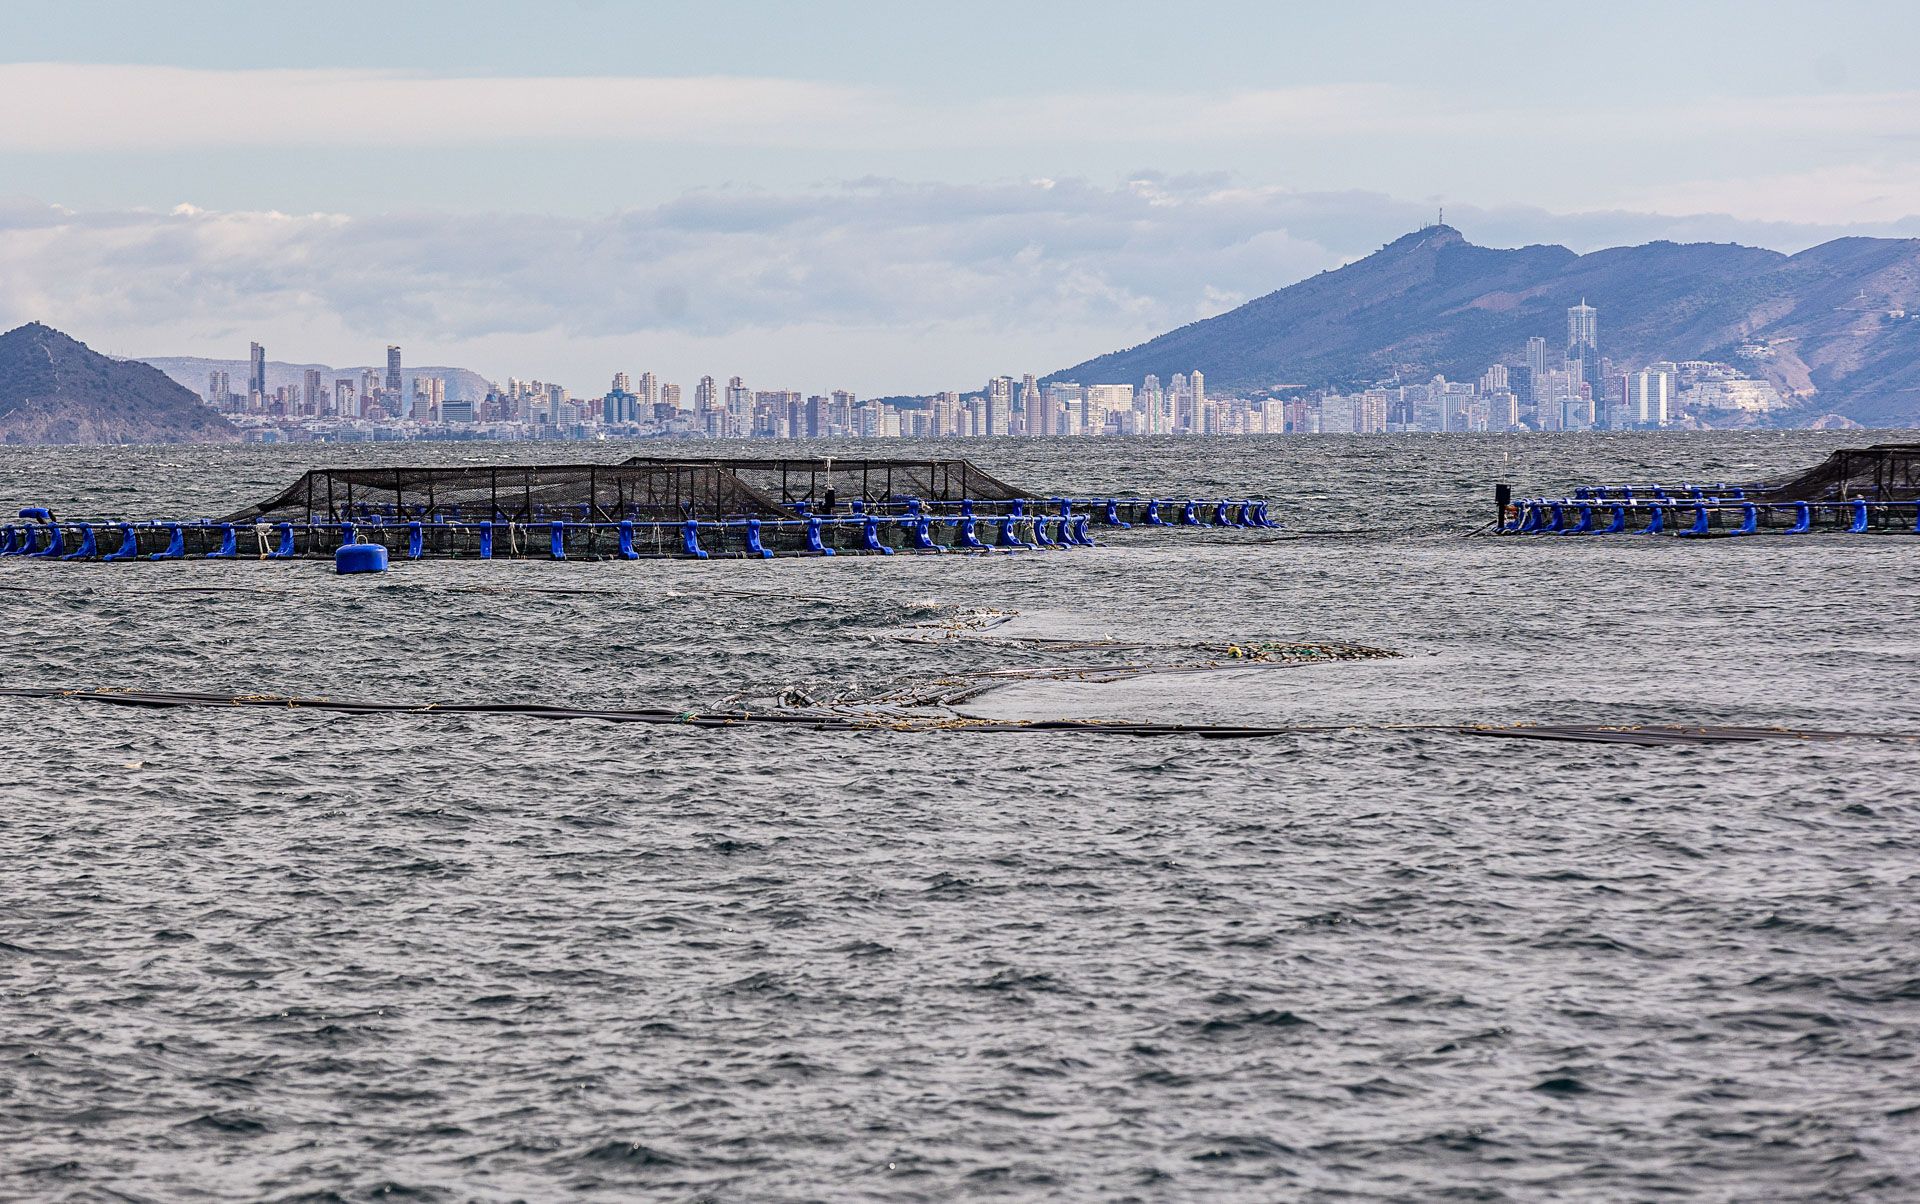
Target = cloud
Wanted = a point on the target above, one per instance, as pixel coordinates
(81, 107)
(66, 107)
(1879, 191)
(882, 285)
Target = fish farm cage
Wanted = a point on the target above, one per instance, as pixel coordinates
(1858, 491)
(641, 508)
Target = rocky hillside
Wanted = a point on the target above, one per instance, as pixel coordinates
(1837, 326)
(54, 389)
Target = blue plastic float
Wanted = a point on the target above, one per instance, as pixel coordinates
(360, 558)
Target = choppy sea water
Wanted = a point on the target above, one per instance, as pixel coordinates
(286, 955)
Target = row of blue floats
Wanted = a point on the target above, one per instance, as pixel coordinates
(1600, 511)
(365, 545)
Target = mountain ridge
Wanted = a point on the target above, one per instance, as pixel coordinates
(1432, 302)
(56, 389)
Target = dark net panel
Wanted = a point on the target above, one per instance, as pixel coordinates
(521, 493)
(1887, 472)
(872, 480)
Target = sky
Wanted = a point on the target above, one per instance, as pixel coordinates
(891, 197)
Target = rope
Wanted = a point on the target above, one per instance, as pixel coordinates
(855, 721)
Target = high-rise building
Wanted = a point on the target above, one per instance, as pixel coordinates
(1537, 357)
(620, 405)
(670, 396)
(739, 403)
(311, 396)
(1197, 385)
(974, 418)
(1100, 402)
(1339, 415)
(940, 413)
(1583, 333)
(1182, 401)
(343, 406)
(1649, 396)
(257, 370)
(999, 405)
(649, 390)
(1494, 379)
(429, 395)
(393, 369)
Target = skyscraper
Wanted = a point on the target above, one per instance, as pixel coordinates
(393, 368)
(311, 397)
(429, 395)
(739, 402)
(1648, 397)
(999, 407)
(1583, 333)
(1536, 357)
(257, 370)
(707, 404)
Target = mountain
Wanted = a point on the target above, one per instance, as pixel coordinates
(54, 389)
(191, 371)
(1839, 323)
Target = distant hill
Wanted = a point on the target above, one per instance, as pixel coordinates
(54, 389)
(1839, 320)
(192, 370)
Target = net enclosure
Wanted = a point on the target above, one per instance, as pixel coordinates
(641, 488)
(879, 481)
(659, 490)
(1885, 472)
(643, 507)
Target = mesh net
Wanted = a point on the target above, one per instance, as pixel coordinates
(582, 492)
(871, 480)
(644, 487)
(1886, 472)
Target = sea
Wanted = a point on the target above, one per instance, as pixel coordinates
(282, 954)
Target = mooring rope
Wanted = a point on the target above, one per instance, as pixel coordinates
(852, 721)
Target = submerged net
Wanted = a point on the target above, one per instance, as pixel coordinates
(1885, 472)
(659, 490)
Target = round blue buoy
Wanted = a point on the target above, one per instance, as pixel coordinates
(360, 558)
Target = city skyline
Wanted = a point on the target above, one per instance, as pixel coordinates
(1581, 388)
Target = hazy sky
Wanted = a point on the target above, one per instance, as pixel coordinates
(885, 196)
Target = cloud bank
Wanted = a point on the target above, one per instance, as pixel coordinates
(880, 285)
(81, 107)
